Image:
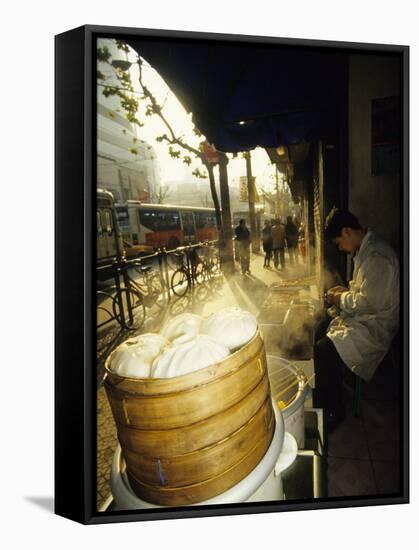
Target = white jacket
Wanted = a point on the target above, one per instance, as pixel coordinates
(369, 311)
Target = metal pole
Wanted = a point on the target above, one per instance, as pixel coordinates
(251, 198)
(165, 270)
(227, 244)
(118, 291)
(125, 277)
(190, 266)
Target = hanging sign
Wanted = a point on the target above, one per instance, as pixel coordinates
(243, 189)
(210, 152)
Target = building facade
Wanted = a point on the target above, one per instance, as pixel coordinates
(126, 165)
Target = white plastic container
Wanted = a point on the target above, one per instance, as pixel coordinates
(264, 483)
(289, 389)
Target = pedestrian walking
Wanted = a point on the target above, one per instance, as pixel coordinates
(291, 235)
(267, 243)
(243, 242)
(278, 243)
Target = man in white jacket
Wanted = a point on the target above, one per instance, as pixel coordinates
(360, 335)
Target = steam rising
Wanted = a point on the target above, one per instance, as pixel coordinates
(286, 310)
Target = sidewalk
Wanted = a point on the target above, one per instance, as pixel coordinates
(249, 292)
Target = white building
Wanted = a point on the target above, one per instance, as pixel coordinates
(126, 165)
(188, 193)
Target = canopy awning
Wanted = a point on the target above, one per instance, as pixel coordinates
(245, 95)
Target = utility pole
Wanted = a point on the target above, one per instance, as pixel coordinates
(226, 248)
(251, 197)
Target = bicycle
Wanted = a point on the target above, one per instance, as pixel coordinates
(104, 314)
(150, 284)
(189, 273)
(211, 263)
(130, 302)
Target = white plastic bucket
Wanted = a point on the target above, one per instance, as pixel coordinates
(289, 389)
(264, 483)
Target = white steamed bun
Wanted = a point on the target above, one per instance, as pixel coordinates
(232, 327)
(185, 323)
(188, 354)
(133, 358)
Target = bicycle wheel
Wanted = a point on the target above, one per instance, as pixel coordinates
(156, 289)
(104, 313)
(214, 262)
(179, 282)
(129, 309)
(200, 273)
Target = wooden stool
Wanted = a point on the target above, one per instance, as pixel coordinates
(394, 353)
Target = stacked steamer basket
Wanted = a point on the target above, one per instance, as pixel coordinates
(189, 438)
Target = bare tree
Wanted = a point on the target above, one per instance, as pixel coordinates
(161, 194)
(177, 146)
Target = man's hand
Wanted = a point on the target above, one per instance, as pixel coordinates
(333, 295)
(339, 288)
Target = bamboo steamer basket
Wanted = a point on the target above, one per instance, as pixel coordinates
(188, 438)
(263, 483)
(203, 463)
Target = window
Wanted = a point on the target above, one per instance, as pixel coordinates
(160, 220)
(204, 219)
(108, 220)
(188, 223)
(122, 216)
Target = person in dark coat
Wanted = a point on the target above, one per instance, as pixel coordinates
(267, 243)
(243, 241)
(291, 235)
(278, 243)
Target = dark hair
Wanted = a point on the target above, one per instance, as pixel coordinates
(241, 221)
(336, 220)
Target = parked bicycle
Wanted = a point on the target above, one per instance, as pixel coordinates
(190, 271)
(144, 290)
(150, 283)
(211, 262)
(138, 286)
(104, 313)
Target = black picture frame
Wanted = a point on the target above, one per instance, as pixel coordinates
(75, 381)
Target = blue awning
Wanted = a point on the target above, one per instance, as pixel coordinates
(246, 95)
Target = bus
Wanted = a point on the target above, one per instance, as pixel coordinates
(109, 244)
(156, 225)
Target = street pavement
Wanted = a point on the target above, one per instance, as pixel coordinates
(248, 292)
